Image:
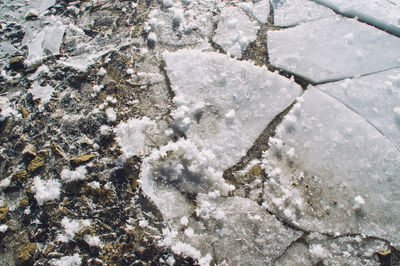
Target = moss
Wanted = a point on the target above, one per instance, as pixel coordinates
(25, 113)
(24, 203)
(256, 170)
(82, 159)
(4, 214)
(20, 177)
(35, 163)
(27, 252)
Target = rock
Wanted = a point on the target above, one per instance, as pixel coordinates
(17, 63)
(57, 150)
(36, 163)
(82, 159)
(27, 252)
(29, 151)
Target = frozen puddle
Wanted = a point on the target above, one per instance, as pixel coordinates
(331, 171)
(221, 106)
(384, 14)
(293, 12)
(333, 48)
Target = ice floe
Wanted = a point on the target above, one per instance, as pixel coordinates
(333, 48)
(235, 31)
(293, 12)
(339, 161)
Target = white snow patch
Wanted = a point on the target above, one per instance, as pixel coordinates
(111, 115)
(72, 227)
(93, 241)
(257, 9)
(45, 190)
(78, 174)
(74, 260)
(3, 228)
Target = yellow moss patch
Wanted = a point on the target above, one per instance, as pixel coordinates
(256, 170)
(83, 158)
(36, 162)
(25, 113)
(4, 214)
(27, 252)
(21, 176)
(24, 203)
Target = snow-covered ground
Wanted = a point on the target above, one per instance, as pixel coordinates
(210, 132)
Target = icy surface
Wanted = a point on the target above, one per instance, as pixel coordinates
(293, 12)
(134, 136)
(235, 31)
(181, 22)
(41, 93)
(46, 43)
(337, 158)
(256, 9)
(333, 48)
(384, 14)
(219, 100)
(374, 97)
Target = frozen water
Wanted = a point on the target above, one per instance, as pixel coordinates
(293, 12)
(256, 9)
(47, 42)
(6, 49)
(384, 14)
(333, 48)
(235, 31)
(182, 22)
(337, 159)
(223, 104)
(374, 97)
(41, 93)
(235, 230)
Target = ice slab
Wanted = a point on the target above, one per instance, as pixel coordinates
(235, 31)
(293, 12)
(223, 104)
(182, 22)
(256, 9)
(236, 231)
(333, 48)
(6, 49)
(375, 97)
(384, 14)
(47, 42)
(243, 233)
(332, 171)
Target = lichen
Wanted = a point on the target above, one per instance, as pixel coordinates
(27, 252)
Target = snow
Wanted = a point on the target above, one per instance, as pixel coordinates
(374, 97)
(383, 14)
(45, 190)
(3, 228)
(111, 115)
(47, 42)
(339, 157)
(333, 48)
(74, 260)
(293, 12)
(71, 227)
(256, 9)
(41, 93)
(133, 136)
(235, 31)
(93, 241)
(78, 174)
(7, 110)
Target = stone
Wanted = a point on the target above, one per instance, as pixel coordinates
(82, 159)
